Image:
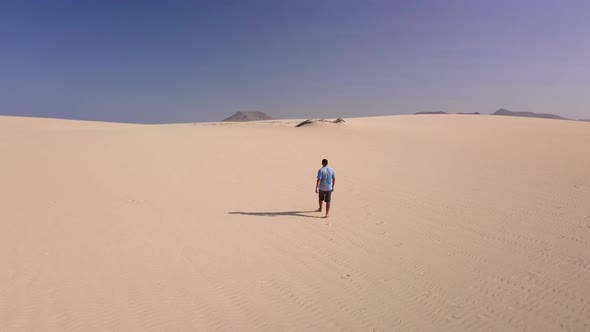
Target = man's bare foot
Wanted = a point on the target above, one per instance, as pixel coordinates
(318, 210)
(327, 216)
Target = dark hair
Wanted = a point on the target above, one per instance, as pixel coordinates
(324, 162)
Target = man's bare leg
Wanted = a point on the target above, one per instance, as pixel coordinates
(320, 202)
(327, 209)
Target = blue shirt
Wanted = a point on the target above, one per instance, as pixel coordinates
(326, 174)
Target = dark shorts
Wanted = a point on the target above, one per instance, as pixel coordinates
(325, 196)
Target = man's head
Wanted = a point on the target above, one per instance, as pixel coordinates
(324, 162)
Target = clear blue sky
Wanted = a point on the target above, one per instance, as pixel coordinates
(183, 61)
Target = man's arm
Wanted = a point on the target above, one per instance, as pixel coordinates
(333, 182)
(317, 184)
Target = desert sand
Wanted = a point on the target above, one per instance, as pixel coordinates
(438, 223)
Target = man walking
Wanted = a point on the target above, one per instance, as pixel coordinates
(325, 186)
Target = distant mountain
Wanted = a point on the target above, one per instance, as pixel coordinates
(470, 113)
(506, 112)
(248, 116)
(586, 120)
(418, 113)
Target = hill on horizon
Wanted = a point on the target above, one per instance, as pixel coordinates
(505, 112)
(248, 116)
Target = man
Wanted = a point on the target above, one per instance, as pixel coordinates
(325, 186)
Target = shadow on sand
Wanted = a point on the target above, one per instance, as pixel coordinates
(282, 213)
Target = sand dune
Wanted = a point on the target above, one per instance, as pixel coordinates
(439, 223)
